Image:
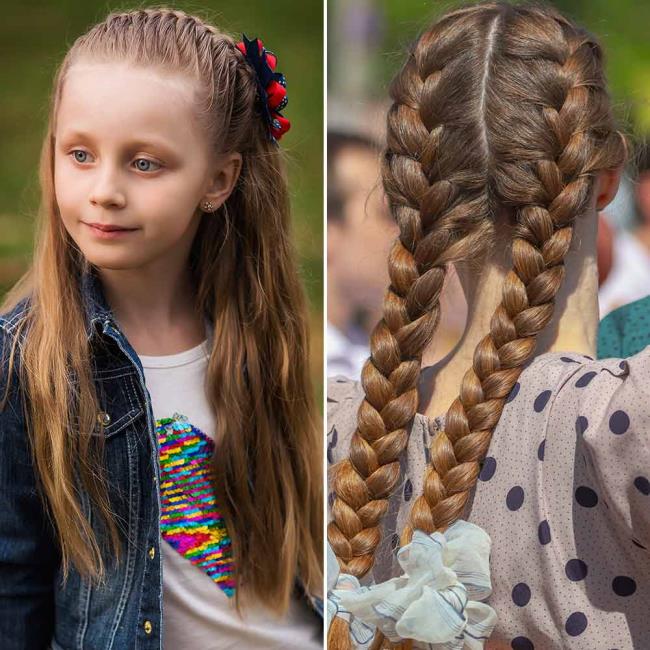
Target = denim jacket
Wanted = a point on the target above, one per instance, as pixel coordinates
(36, 609)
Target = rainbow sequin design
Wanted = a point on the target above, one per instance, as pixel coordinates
(190, 521)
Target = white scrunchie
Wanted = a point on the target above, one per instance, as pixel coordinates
(435, 601)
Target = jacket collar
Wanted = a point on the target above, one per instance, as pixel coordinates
(96, 307)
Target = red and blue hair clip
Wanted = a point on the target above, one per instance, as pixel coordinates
(271, 85)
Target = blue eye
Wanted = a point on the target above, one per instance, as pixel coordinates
(83, 153)
(147, 162)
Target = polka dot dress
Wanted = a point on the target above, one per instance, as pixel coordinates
(564, 494)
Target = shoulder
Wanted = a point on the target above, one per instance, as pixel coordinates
(344, 396)
(553, 389)
(626, 330)
(547, 374)
(558, 373)
(607, 381)
(342, 389)
(568, 387)
(602, 410)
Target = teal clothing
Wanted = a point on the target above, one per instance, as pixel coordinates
(625, 331)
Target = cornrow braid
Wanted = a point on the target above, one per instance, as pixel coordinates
(185, 21)
(203, 42)
(514, 118)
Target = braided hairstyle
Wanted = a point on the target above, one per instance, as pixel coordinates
(500, 116)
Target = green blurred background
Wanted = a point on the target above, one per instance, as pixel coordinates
(34, 36)
(368, 40)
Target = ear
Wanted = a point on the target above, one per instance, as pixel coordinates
(224, 179)
(607, 184)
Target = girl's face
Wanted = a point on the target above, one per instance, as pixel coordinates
(130, 153)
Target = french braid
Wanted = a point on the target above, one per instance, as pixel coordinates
(528, 94)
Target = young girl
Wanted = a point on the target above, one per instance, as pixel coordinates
(501, 498)
(159, 432)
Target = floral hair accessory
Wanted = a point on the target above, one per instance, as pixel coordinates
(435, 601)
(271, 85)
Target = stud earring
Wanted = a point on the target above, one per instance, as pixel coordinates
(207, 206)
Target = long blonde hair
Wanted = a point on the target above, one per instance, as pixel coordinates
(269, 465)
(499, 111)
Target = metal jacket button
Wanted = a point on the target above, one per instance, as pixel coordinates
(152, 552)
(103, 418)
(147, 627)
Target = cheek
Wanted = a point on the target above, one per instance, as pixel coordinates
(164, 218)
(382, 241)
(65, 192)
(173, 193)
(367, 260)
(162, 197)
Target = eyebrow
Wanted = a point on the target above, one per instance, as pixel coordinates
(136, 142)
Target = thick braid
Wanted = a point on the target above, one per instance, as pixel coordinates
(422, 193)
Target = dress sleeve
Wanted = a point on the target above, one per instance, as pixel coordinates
(28, 555)
(606, 405)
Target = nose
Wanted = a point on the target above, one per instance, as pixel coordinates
(107, 191)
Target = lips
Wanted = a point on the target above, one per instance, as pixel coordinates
(107, 227)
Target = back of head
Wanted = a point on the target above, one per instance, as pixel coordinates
(499, 124)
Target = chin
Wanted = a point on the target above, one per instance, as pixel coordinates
(110, 262)
(113, 267)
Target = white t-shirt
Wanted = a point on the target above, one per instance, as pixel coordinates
(198, 587)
